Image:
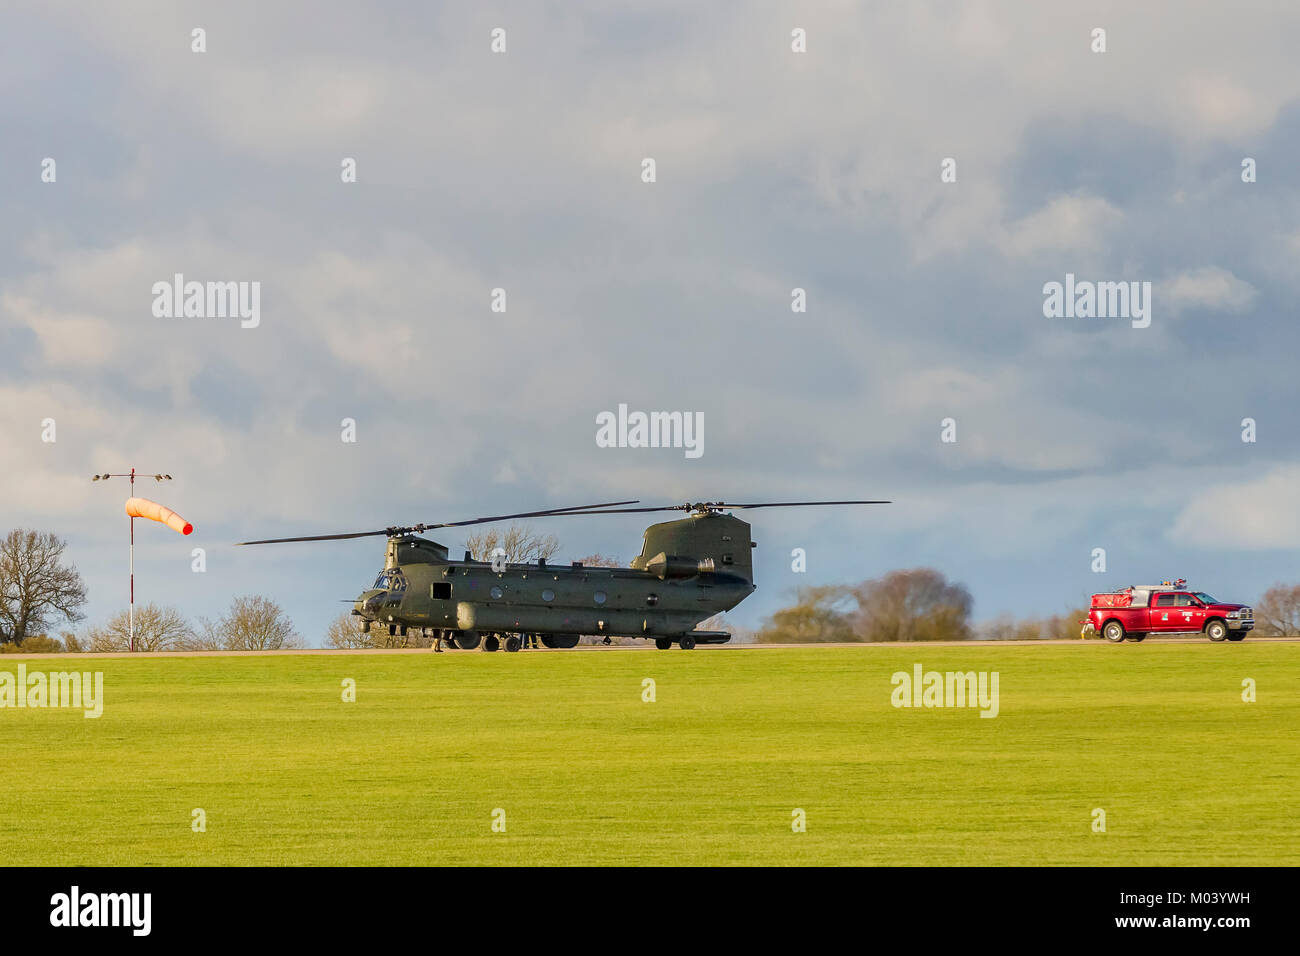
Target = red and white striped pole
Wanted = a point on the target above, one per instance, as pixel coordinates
(167, 516)
(130, 608)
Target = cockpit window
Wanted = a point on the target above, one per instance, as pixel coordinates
(390, 581)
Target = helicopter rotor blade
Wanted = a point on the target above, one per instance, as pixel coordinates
(606, 508)
(549, 512)
(396, 530)
(727, 506)
(314, 537)
(631, 511)
(798, 504)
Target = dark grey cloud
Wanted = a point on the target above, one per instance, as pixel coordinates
(775, 171)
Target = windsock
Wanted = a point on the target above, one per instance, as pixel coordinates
(144, 508)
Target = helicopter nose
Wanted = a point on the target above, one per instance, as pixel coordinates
(368, 604)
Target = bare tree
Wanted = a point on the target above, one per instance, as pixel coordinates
(256, 623)
(519, 541)
(1278, 612)
(156, 629)
(818, 614)
(919, 604)
(915, 605)
(345, 632)
(36, 587)
(206, 636)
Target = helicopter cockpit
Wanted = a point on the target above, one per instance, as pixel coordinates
(390, 580)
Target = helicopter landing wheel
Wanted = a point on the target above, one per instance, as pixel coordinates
(664, 643)
(559, 641)
(687, 643)
(466, 640)
(513, 643)
(490, 643)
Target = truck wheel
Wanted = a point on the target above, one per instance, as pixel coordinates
(1113, 632)
(1216, 630)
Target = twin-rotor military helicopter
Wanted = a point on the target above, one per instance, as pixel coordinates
(688, 570)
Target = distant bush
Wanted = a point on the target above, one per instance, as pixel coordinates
(1278, 611)
(156, 629)
(918, 604)
(33, 644)
(345, 632)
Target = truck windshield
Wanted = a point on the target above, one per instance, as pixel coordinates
(1204, 598)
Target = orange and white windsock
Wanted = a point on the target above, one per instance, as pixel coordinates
(144, 508)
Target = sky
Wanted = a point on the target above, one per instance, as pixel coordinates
(774, 170)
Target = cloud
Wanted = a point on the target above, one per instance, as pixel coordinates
(1208, 287)
(65, 339)
(521, 171)
(1065, 224)
(1252, 514)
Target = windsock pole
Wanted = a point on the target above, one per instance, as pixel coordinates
(130, 608)
(142, 507)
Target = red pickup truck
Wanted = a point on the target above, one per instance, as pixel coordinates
(1134, 612)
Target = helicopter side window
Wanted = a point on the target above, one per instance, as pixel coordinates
(381, 582)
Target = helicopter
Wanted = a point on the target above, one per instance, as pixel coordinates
(689, 569)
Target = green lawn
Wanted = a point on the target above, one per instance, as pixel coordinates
(1157, 735)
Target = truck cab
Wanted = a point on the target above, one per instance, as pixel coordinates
(1167, 608)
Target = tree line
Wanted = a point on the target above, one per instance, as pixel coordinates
(40, 589)
(920, 604)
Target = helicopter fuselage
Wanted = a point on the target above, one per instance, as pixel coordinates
(662, 596)
(689, 569)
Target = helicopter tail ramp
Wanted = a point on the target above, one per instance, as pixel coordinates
(709, 637)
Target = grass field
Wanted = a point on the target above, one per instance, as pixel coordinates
(1157, 735)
